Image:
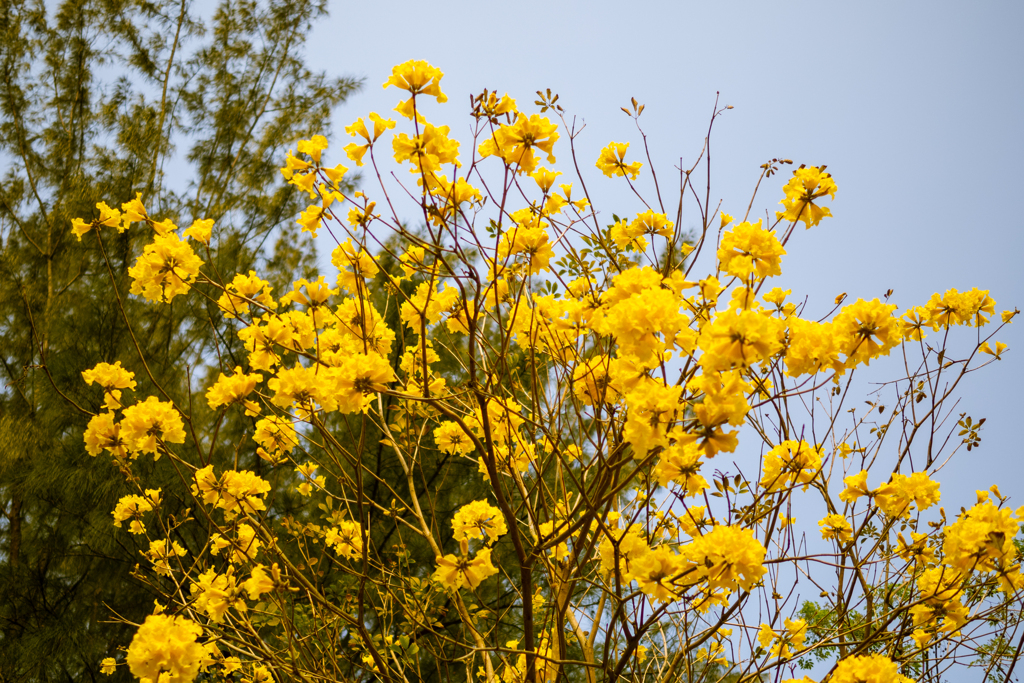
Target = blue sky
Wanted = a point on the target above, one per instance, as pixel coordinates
(914, 106)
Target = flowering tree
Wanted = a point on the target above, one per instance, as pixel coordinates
(512, 428)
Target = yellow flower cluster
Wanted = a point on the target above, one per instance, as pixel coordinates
(165, 649)
(867, 669)
(805, 187)
(518, 143)
(463, 571)
(347, 539)
(234, 492)
(478, 520)
(112, 379)
(131, 508)
(590, 375)
(612, 161)
(783, 645)
(749, 250)
(791, 463)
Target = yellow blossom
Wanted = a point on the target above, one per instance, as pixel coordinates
(235, 388)
(108, 666)
(112, 379)
(147, 422)
(200, 230)
(108, 217)
(837, 527)
(479, 520)
(165, 269)
(458, 572)
(516, 144)
(417, 78)
(805, 187)
(748, 249)
(165, 648)
(612, 161)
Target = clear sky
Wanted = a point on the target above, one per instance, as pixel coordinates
(916, 108)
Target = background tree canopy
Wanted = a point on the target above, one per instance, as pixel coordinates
(107, 99)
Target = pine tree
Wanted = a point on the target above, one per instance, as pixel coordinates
(100, 100)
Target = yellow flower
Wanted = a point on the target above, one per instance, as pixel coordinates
(612, 161)
(235, 388)
(244, 547)
(259, 582)
(276, 436)
(166, 645)
(112, 379)
(480, 520)
(657, 571)
(531, 240)
(492, 107)
(791, 463)
(545, 179)
(777, 296)
(728, 557)
(109, 217)
(215, 593)
(653, 410)
(145, 423)
(313, 147)
(681, 464)
(103, 433)
(132, 508)
(918, 550)
(418, 78)
(458, 572)
(590, 381)
(805, 187)
(738, 338)
(813, 347)
(302, 386)
(355, 152)
(836, 526)
(972, 308)
(260, 674)
(242, 290)
(620, 550)
(648, 223)
(765, 636)
(355, 266)
(108, 666)
(750, 249)
(200, 230)
(896, 497)
(133, 211)
(866, 330)
(160, 554)
(346, 539)
(359, 379)
(515, 144)
(450, 438)
(428, 151)
(311, 218)
(235, 492)
(1000, 347)
(165, 269)
(982, 539)
(856, 486)
(866, 669)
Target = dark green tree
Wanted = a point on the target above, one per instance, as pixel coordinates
(100, 100)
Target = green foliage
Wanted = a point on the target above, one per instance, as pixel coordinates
(106, 99)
